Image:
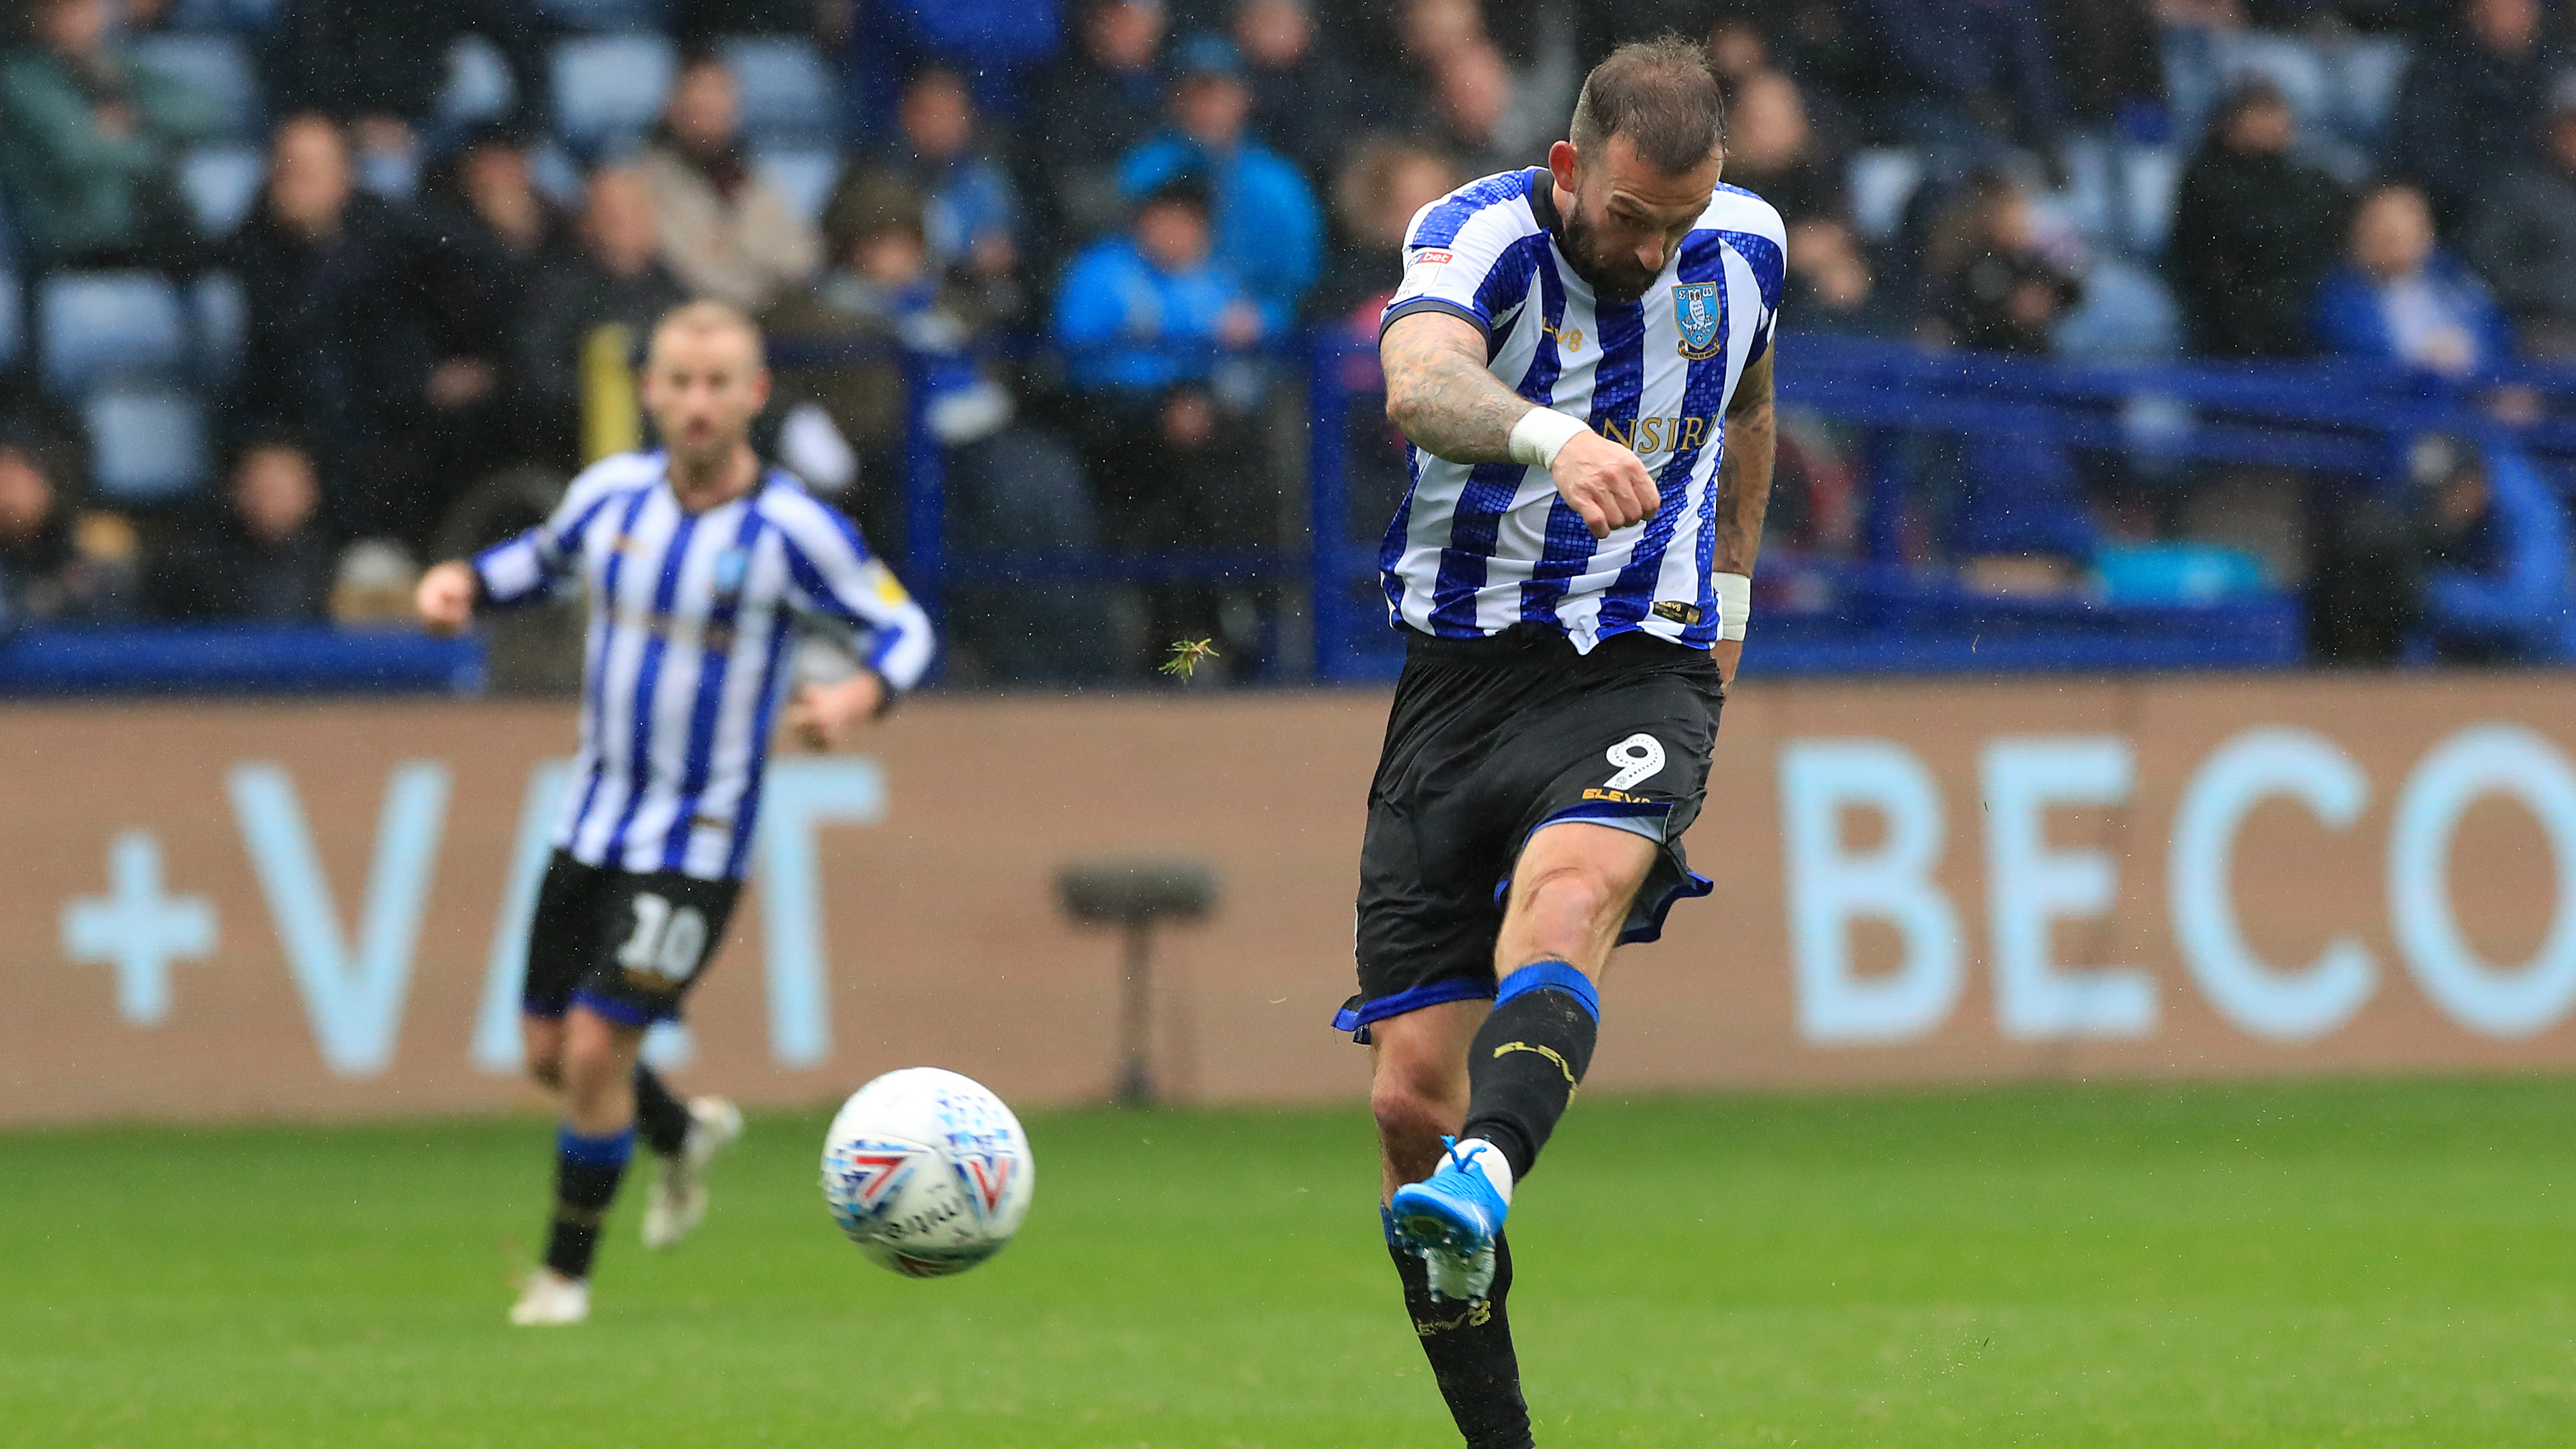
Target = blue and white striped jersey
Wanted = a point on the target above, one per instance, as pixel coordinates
(1479, 547)
(692, 621)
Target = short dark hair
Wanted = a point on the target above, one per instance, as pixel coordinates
(1661, 95)
(869, 204)
(936, 74)
(698, 55)
(1185, 187)
(2256, 93)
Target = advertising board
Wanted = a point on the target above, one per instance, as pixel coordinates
(316, 909)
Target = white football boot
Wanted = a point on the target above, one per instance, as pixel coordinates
(550, 1300)
(679, 1196)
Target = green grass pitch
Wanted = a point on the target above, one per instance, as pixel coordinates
(2282, 1264)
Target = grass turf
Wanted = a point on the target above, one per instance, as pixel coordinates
(2383, 1263)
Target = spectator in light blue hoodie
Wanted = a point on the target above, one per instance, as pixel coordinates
(1269, 228)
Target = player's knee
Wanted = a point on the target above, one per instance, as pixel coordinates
(1574, 894)
(1411, 1107)
(546, 1072)
(588, 1065)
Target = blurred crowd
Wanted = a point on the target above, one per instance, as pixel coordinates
(396, 315)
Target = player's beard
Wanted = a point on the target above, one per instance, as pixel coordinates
(705, 457)
(1612, 278)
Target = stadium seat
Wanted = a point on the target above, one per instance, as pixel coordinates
(608, 88)
(805, 175)
(479, 86)
(596, 15)
(2179, 573)
(2286, 61)
(2126, 316)
(2119, 196)
(223, 318)
(145, 443)
(109, 326)
(1882, 180)
(2195, 69)
(787, 93)
(2368, 70)
(556, 174)
(2153, 179)
(218, 65)
(2086, 203)
(222, 183)
(239, 17)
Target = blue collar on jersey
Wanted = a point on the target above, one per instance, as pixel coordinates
(1542, 198)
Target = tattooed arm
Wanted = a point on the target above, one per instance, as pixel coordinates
(1743, 487)
(1439, 391)
(1744, 471)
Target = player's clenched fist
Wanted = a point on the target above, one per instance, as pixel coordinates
(1603, 482)
(821, 714)
(445, 598)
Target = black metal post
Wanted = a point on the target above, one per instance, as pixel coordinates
(1136, 1019)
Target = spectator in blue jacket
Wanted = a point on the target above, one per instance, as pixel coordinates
(1268, 226)
(2398, 299)
(2497, 588)
(1159, 288)
(1168, 444)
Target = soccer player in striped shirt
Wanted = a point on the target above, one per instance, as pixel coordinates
(1581, 357)
(704, 566)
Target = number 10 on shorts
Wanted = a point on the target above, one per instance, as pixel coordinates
(668, 942)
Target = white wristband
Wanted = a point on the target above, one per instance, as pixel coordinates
(1541, 434)
(1734, 604)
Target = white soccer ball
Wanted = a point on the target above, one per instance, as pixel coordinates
(927, 1172)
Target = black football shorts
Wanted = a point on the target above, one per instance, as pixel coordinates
(626, 946)
(1491, 740)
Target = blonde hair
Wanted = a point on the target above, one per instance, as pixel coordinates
(712, 316)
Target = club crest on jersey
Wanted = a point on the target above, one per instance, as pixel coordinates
(1696, 313)
(732, 566)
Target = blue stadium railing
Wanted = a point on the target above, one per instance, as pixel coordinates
(1882, 613)
(234, 659)
(1885, 614)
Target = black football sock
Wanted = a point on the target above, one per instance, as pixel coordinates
(661, 1119)
(1529, 1056)
(1470, 1348)
(586, 1173)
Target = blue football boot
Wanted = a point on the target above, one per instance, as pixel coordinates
(1451, 1219)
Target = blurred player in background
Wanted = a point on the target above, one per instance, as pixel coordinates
(1580, 357)
(703, 565)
